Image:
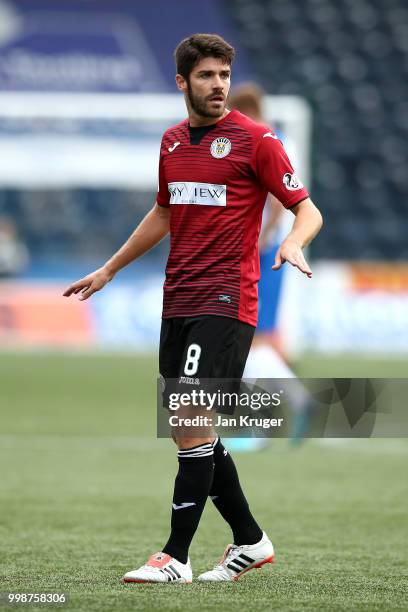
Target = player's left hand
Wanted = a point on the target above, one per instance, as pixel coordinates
(292, 252)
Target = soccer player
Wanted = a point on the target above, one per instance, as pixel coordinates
(216, 168)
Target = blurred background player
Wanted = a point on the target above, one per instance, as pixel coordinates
(14, 255)
(267, 358)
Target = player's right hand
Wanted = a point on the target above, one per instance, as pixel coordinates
(292, 252)
(90, 284)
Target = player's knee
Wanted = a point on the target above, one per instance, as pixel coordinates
(186, 442)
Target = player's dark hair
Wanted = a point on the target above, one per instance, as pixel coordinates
(193, 49)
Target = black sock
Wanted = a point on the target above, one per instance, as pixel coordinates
(191, 489)
(229, 499)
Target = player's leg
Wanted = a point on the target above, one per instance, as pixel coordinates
(251, 546)
(173, 565)
(230, 342)
(191, 488)
(195, 446)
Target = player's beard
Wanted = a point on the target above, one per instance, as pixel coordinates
(200, 105)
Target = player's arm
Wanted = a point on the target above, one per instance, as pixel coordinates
(306, 226)
(152, 229)
(275, 172)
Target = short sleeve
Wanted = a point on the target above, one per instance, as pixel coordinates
(163, 195)
(275, 172)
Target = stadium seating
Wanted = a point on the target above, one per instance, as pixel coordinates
(349, 59)
(76, 223)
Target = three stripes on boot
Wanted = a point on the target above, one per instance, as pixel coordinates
(171, 572)
(240, 563)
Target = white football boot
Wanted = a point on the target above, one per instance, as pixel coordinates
(161, 568)
(240, 559)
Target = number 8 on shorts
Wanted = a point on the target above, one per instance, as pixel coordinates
(193, 356)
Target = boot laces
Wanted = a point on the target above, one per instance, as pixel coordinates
(229, 554)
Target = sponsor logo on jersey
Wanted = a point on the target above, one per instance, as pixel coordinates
(220, 147)
(292, 182)
(205, 194)
(270, 135)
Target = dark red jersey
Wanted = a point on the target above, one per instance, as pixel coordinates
(215, 180)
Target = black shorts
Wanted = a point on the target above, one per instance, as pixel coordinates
(202, 347)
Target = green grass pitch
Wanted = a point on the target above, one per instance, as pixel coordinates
(85, 493)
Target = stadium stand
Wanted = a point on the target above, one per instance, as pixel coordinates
(349, 59)
(55, 222)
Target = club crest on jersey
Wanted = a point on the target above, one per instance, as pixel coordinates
(220, 147)
(292, 182)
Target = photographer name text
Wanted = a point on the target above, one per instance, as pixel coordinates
(222, 421)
